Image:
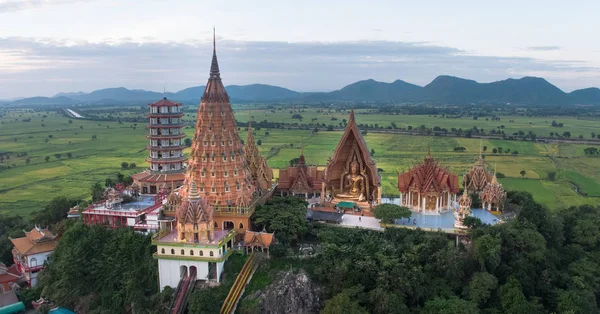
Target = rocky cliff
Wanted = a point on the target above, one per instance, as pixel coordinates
(290, 293)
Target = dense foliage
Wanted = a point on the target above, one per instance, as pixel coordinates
(388, 213)
(285, 216)
(537, 263)
(102, 270)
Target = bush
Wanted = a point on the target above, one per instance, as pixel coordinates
(124, 165)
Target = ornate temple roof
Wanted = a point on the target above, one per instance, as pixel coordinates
(217, 162)
(193, 209)
(465, 200)
(493, 192)
(478, 177)
(262, 239)
(164, 102)
(301, 178)
(428, 176)
(37, 240)
(262, 175)
(351, 139)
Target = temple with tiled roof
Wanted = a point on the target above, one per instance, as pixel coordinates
(262, 175)
(258, 241)
(166, 158)
(477, 178)
(9, 277)
(493, 195)
(464, 209)
(300, 179)
(428, 187)
(351, 174)
(31, 252)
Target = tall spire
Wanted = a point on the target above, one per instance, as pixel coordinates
(214, 67)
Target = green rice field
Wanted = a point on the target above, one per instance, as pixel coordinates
(26, 187)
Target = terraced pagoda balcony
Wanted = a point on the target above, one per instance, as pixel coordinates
(162, 148)
(165, 136)
(234, 211)
(165, 125)
(166, 160)
(164, 115)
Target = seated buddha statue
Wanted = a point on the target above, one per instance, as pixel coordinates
(353, 184)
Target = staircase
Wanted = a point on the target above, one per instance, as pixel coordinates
(239, 285)
(185, 287)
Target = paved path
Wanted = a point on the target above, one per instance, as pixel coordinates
(364, 222)
(75, 114)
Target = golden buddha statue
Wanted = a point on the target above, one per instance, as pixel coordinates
(353, 184)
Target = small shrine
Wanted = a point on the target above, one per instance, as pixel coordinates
(493, 195)
(464, 209)
(112, 198)
(300, 180)
(477, 178)
(428, 187)
(258, 241)
(351, 174)
(195, 218)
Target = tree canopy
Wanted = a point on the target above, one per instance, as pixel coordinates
(388, 213)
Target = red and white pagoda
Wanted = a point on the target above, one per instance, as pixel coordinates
(166, 158)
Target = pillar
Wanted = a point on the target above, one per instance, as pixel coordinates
(322, 193)
(423, 203)
(379, 194)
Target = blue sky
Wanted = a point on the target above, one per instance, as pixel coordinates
(51, 46)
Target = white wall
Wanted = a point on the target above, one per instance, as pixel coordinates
(169, 271)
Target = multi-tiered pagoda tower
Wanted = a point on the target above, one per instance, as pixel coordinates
(165, 135)
(217, 161)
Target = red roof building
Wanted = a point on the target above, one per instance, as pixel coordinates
(9, 276)
(31, 252)
(428, 187)
(301, 180)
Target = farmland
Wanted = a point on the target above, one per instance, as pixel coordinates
(82, 152)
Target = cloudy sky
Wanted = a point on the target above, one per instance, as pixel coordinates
(50, 46)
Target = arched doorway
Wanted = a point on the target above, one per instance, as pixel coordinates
(183, 271)
(228, 225)
(194, 272)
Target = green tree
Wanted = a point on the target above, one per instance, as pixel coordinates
(124, 165)
(97, 191)
(551, 175)
(487, 252)
(54, 211)
(47, 158)
(513, 300)
(523, 173)
(388, 213)
(481, 287)
(286, 216)
(451, 305)
(343, 303)
(372, 152)
(259, 142)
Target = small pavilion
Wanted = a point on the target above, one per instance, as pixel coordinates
(258, 241)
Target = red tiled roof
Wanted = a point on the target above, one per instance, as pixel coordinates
(428, 176)
(158, 177)
(264, 239)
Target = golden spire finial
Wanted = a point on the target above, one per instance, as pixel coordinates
(214, 40)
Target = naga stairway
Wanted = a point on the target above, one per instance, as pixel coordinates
(237, 289)
(184, 289)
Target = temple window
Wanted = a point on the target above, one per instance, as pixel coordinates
(212, 158)
(234, 172)
(33, 262)
(205, 143)
(202, 189)
(173, 251)
(213, 143)
(213, 189)
(230, 142)
(219, 251)
(204, 158)
(224, 158)
(162, 251)
(226, 173)
(226, 187)
(191, 252)
(216, 225)
(241, 225)
(182, 252)
(222, 143)
(201, 253)
(211, 253)
(212, 174)
(202, 173)
(237, 185)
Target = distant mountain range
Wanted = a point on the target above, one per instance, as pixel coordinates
(442, 90)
